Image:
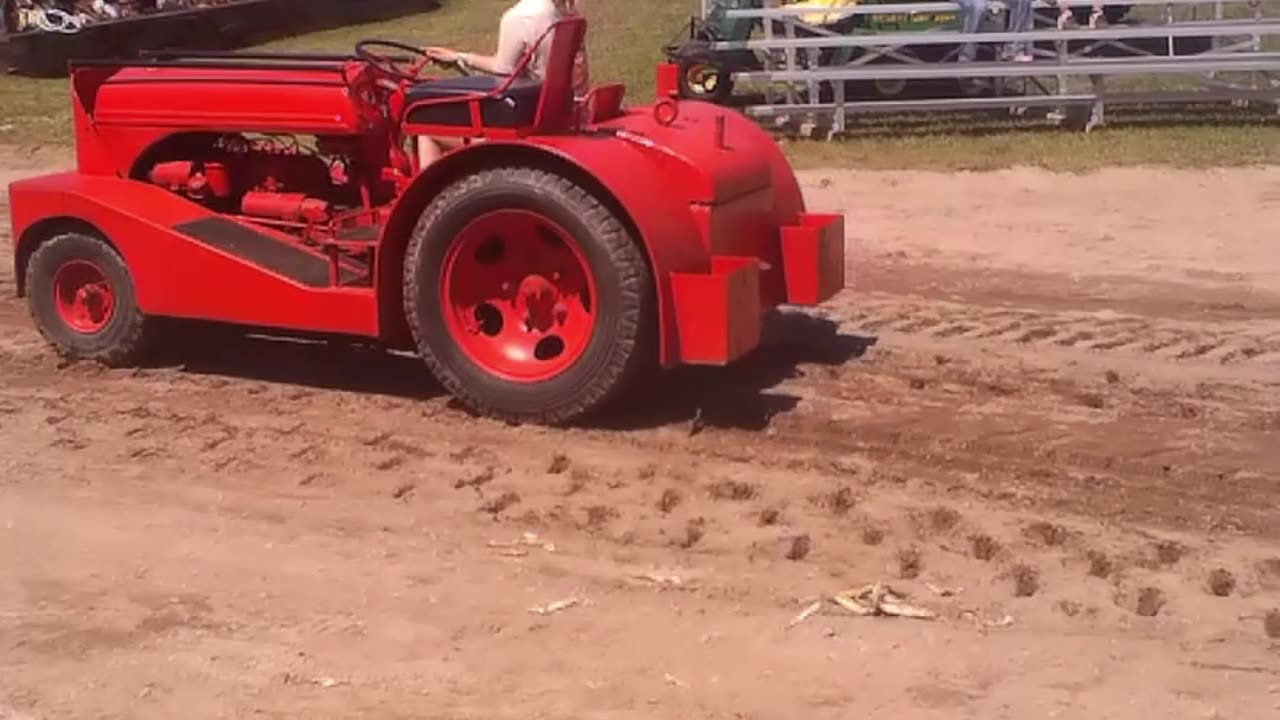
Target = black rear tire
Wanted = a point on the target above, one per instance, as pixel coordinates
(621, 343)
(126, 335)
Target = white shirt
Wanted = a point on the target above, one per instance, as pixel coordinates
(522, 25)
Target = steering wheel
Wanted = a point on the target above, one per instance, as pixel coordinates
(387, 64)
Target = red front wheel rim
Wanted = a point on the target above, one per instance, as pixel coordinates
(83, 296)
(518, 297)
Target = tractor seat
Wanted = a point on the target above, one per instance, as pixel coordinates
(517, 106)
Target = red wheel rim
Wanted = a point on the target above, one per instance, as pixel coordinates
(84, 297)
(518, 296)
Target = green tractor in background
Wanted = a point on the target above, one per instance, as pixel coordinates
(706, 74)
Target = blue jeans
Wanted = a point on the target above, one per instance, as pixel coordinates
(1020, 20)
(971, 12)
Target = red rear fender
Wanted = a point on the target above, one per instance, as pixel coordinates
(715, 154)
(625, 175)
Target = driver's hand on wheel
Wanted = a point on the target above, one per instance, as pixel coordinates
(441, 55)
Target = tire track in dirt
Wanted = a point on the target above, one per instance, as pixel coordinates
(158, 421)
(894, 465)
(1081, 443)
(758, 543)
(1225, 343)
(727, 493)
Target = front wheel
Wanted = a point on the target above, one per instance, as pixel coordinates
(82, 299)
(527, 297)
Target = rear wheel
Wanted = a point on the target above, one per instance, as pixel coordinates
(82, 298)
(527, 297)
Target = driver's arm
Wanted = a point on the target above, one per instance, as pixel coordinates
(511, 45)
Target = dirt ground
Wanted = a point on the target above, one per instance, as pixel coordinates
(1049, 412)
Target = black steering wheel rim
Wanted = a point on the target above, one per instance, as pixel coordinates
(381, 61)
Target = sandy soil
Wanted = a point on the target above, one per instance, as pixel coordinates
(1055, 398)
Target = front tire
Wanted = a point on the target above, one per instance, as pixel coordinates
(527, 297)
(81, 296)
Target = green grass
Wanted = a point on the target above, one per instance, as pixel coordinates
(625, 44)
(1187, 140)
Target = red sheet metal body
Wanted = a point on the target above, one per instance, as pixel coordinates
(175, 276)
(709, 194)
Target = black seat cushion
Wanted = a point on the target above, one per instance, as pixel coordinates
(515, 107)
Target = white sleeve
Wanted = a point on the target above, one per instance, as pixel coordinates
(511, 43)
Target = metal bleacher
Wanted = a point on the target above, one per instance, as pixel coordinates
(1179, 52)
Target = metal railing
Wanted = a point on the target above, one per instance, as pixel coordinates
(805, 69)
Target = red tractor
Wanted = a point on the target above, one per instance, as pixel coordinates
(565, 245)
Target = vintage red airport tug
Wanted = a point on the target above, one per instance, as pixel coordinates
(534, 270)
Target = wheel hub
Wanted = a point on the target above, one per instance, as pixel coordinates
(517, 296)
(538, 303)
(83, 296)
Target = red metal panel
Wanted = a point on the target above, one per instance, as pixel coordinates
(177, 276)
(320, 100)
(555, 107)
(244, 105)
(813, 258)
(668, 80)
(718, 313)
(93, 156)
(741, 133)
(708, 165)
(120, 112)
(604, 102)
(744, 227)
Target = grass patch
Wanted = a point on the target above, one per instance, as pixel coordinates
(1194, 145)
(625, 45)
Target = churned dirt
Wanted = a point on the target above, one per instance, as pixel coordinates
(1049, 412)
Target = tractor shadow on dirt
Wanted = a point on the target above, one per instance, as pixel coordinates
(741, 396)
(215, 351)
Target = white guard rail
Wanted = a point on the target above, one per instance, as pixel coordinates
(800, 85)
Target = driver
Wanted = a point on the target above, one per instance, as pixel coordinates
(520, 28)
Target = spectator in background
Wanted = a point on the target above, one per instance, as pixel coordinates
(971, 13)
(1067, 19)
(1021, 19)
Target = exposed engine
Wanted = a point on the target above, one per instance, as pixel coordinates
(271, 179)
